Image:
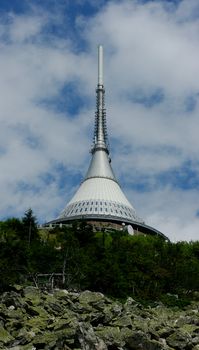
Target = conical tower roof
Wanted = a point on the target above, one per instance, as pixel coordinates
(99, 195)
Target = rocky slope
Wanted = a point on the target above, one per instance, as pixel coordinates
(31, 320)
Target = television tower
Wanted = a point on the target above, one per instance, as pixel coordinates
(100, 199)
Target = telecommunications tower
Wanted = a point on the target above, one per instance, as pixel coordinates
(100, 200)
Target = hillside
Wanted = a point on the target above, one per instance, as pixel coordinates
(114, 263)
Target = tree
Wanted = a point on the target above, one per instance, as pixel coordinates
(30, 226)
(13, 253)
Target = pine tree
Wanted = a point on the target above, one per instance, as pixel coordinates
(30, 226)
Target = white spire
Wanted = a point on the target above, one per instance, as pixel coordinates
(100, 163)
(100, 139)
(100, 65)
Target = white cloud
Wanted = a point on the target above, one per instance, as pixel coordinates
(34, 140)
(170, 210)
(25, 27)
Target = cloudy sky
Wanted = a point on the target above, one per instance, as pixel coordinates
(48, 74)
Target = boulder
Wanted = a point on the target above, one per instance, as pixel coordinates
(10, 299)
(196, 347)
(45, 341)
(110, 335)
(88, 297)
(33, 320)
(179, 340)
(88, 338)
(5, 336)
(32, 295)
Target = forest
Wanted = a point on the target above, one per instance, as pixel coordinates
(115, 263)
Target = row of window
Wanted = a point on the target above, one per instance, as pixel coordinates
(101, 203)
(96, 209)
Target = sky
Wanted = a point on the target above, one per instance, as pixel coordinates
(48, 75)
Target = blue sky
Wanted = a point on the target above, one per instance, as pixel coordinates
(48, 69)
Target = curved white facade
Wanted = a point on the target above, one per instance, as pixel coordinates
(97, 197)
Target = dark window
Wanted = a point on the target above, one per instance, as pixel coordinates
(95, 209)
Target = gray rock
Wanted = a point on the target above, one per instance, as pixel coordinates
(123, 321)
(195, 341)
(32, 295)
(46, 341)
(196, 347)
(137, 340)
(165, 332)
(11, 299)
(179, 340)
(5, 336)
(31, 320)
(88, 339)
(88, 297)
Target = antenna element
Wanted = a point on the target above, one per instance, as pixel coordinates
(100, 65)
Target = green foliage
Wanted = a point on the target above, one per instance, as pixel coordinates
(115, 263)
(172, 300)
(13, 252)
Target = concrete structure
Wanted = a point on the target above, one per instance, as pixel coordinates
(100, 199)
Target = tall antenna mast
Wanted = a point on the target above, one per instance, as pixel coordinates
(100, 65)
(100, 140)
